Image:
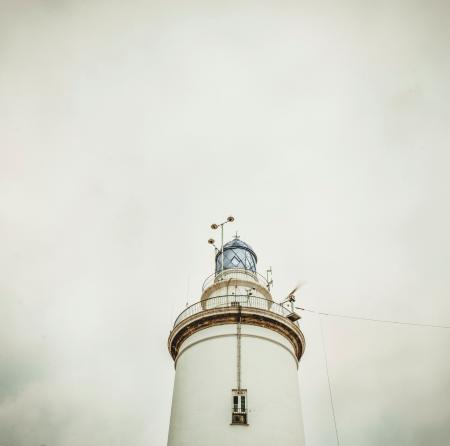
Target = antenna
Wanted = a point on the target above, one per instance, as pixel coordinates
(187, 290)
(269, 278)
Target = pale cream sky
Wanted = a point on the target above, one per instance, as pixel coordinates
(126, 128)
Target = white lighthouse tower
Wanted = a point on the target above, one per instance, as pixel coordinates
(236, 355)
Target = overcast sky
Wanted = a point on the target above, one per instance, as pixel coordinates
(127, 128)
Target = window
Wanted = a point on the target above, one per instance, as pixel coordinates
(239, 412)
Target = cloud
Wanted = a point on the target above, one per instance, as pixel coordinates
(127, 129)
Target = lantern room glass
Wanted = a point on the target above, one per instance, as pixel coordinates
(236, 255)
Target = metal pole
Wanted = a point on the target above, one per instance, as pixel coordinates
(221, 227)
(238, 350)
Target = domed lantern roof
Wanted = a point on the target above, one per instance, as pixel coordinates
(236, 254)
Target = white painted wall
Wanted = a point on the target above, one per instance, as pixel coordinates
(206, 374)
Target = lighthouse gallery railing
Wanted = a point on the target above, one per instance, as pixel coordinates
(226, 301)
(236, 273)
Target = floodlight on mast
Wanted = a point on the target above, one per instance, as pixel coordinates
(229, 219)
(212, 242)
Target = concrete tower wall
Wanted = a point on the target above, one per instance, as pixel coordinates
(206, 373)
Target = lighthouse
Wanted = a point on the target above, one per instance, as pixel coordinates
(236, 354)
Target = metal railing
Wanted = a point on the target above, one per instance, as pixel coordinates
(237, 273)
(226, 301)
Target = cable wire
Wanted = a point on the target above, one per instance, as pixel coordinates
(415, 324)
(320, 314)
(328, 378)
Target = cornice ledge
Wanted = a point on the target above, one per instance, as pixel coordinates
(230, 315)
